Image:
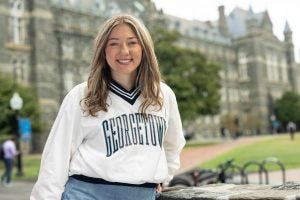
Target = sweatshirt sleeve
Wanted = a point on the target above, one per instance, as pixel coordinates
(174, 140)
(57, 152)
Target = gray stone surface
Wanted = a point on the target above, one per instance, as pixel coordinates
(288, 191)
(19, 190)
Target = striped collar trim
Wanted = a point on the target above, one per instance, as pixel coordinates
(129, 96)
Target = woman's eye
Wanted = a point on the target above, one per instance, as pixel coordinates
(132, 42)
(113, 44)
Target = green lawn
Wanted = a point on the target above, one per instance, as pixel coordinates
(279, 146)
(31, 165)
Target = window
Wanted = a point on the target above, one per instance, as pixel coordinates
(233, 95)
(99, 6)
(223, 95)
(243, 68)
(72, 2)
(16, 22)
(272, 68)
(113, 8)
(244, 95)
(68, 49)
(284, 71)
(139, 6)
(177, 25)
(68, 80)
(18, 69)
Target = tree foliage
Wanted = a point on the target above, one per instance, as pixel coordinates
(288, 107)
(194, 80)
(29, 110)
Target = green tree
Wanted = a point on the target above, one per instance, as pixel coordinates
(288, 107)
(29, 110)
(194, 80)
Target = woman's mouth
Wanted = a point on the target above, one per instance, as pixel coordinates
(124, 61)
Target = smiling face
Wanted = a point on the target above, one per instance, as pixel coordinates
(123, 52)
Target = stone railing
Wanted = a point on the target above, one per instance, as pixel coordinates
(288, 191)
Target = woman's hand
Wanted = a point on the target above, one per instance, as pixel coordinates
(159, 188)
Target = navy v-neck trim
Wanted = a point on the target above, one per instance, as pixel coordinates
(129, 96)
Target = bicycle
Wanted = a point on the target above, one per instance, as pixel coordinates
(225, 173)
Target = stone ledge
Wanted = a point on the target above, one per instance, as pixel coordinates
(288, 191)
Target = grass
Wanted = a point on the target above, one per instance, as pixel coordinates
(200, 143)
(279, 146)
(31, 165)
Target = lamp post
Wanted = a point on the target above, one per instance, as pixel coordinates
(16, 104)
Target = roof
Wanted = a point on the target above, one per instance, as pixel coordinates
(236, 21)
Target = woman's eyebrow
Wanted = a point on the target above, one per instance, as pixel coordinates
(113, 39)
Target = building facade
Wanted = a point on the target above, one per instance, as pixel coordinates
(48, 44)
(257, 67)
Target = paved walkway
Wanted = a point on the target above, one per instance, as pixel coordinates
(192, 157)
(20, 190)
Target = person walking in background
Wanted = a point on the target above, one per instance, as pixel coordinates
(9, 152)
(223, 132)
(291, 128)
(118, 135)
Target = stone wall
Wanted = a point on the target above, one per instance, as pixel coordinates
(288, 191)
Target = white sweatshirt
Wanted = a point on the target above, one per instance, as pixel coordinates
(118, 146)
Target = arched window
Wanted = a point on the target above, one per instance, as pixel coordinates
(17, 23)
(18, 69)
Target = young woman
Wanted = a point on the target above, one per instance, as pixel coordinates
(119, 135)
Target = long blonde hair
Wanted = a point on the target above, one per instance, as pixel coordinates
(148, 74)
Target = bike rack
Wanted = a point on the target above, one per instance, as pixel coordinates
(275, 161)
(261, 168)
(228, 166)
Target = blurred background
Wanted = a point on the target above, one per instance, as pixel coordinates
(232, 64)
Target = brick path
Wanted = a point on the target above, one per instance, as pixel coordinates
(191, 157)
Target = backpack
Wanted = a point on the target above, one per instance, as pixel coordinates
(1, 153)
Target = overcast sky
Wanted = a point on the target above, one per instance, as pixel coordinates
(280, 11)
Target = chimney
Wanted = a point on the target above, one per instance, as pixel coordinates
(222, 21)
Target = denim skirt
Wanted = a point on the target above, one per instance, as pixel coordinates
(81, 190)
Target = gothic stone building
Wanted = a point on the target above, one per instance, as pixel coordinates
(48, 44)
(257, 68)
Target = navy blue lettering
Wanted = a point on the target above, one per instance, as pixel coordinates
(138, 119)
(105, 127)
(126, 128)
(152, 130)
(113, 134)
(133, 128)
(120, 132)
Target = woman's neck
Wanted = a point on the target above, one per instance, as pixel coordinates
(127, 82)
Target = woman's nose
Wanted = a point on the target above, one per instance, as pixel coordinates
(124, 49)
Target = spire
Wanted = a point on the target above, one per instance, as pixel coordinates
(250, 13)
(266, 23)
(223, 28)
(288, 39)
(251, 20)
(288, 34)
(287, 28)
